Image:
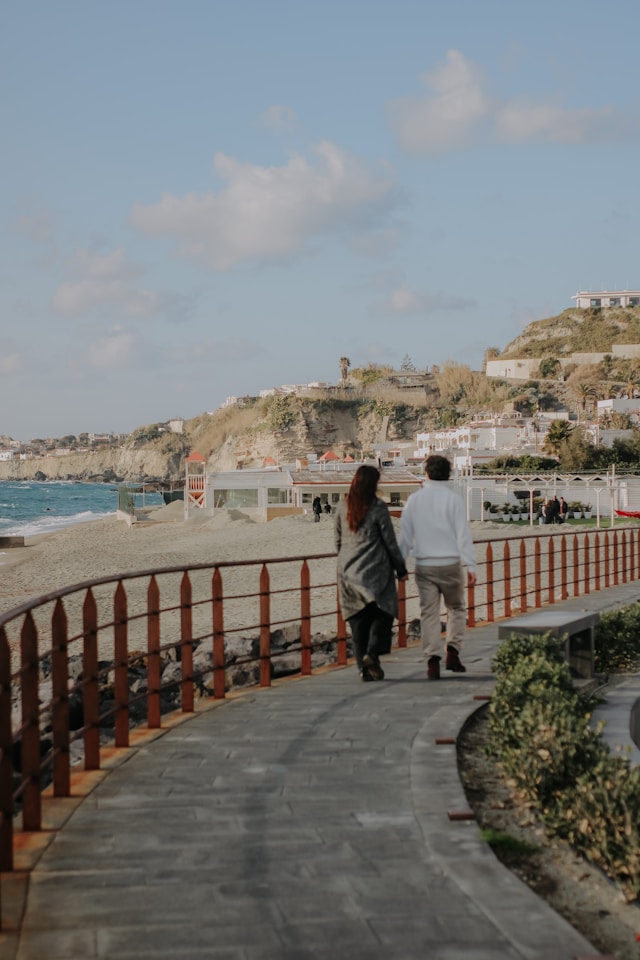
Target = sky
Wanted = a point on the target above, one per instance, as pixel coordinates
(208, 198)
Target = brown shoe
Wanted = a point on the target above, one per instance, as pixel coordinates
(433, 668)
(453, 661)
(372, 666)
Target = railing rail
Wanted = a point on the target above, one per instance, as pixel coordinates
(105, 626)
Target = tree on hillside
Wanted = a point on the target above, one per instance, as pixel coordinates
(576, 453)
(558, 433)
(454, 381)
(407, 364)
(345, 363)
(549, 367)
(632, 384)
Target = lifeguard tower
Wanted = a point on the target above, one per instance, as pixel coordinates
(195, 487)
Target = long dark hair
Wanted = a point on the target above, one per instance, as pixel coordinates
(362, 493)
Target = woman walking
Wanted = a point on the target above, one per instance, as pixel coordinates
(368, 560)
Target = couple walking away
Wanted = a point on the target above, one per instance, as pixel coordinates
(434, 529)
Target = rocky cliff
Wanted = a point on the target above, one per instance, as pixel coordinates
(284, 427)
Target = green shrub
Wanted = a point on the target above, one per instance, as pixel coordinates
(539, 727)
(617, 639)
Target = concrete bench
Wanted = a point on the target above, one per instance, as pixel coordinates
(578, 626)
(11, 542)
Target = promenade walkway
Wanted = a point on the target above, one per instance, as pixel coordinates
(316, 820)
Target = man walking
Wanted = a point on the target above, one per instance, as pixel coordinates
(434, 529)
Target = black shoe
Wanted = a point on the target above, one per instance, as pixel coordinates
(433, 668)
(364, 675)
(372, 666)
(453, 661)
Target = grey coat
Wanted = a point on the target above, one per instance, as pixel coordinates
(368, 561)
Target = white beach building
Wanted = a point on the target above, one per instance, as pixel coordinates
(275, 491)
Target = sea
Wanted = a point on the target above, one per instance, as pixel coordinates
(28, 508)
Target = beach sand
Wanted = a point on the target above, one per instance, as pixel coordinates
(110, 547)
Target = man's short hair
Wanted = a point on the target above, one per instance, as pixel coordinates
(437, 467)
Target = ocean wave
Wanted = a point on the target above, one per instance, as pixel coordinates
(32, 528)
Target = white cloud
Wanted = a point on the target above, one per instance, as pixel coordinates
(457, 110)
(521, 122)
(402, 301)
(10, 362)
(267, 214)
(103, 280)
(278, 117)
(447, 115)
(116, 349)
(232, 351)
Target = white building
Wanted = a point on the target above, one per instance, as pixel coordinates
(607, 298)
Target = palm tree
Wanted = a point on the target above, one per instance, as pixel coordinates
(632, 384)
(559, 431)
(345, 363)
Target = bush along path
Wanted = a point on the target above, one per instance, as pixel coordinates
(540, 731)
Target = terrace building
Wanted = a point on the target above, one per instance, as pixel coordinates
(607, 298)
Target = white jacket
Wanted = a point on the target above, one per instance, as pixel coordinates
(434, 527)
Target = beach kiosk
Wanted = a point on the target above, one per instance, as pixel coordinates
(194, 483)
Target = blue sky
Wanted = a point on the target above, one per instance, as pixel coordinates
(208, 198)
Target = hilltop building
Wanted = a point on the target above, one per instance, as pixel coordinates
(607, 298)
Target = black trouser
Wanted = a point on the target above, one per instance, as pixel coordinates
(370, 632)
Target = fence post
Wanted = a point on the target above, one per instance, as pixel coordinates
(153, 655)
(91, 688)
(564, 592)
(576, 566)
(537, 563)
(185, 651)
(121, 666)
(471, 605)
(523, 576)
(623, 554)
(218, 635)
(551, 585)
(60, 701)
(616, 560)
(30, 740)
(265, 628)
(341, 633)
(6, 766)
(305, 620)
(587, 564)
(596, 561)
(607, 570)
(506, 566)
(490, 607)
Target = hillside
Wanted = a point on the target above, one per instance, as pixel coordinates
(577, 331)
(282, 427)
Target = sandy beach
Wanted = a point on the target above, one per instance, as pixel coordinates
(110, 547)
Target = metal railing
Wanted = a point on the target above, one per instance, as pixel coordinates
(104, 626)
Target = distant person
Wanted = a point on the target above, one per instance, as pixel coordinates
(545, 511)
(369, 559)
(564, 509)
(327, 507)
(434, 529)
(555, 510)
(317, 509)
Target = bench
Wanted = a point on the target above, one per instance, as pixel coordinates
(577, 626)
(11, 542)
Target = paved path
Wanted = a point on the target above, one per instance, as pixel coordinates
(309, 821)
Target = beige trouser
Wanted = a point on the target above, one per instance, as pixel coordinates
(448, 583)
